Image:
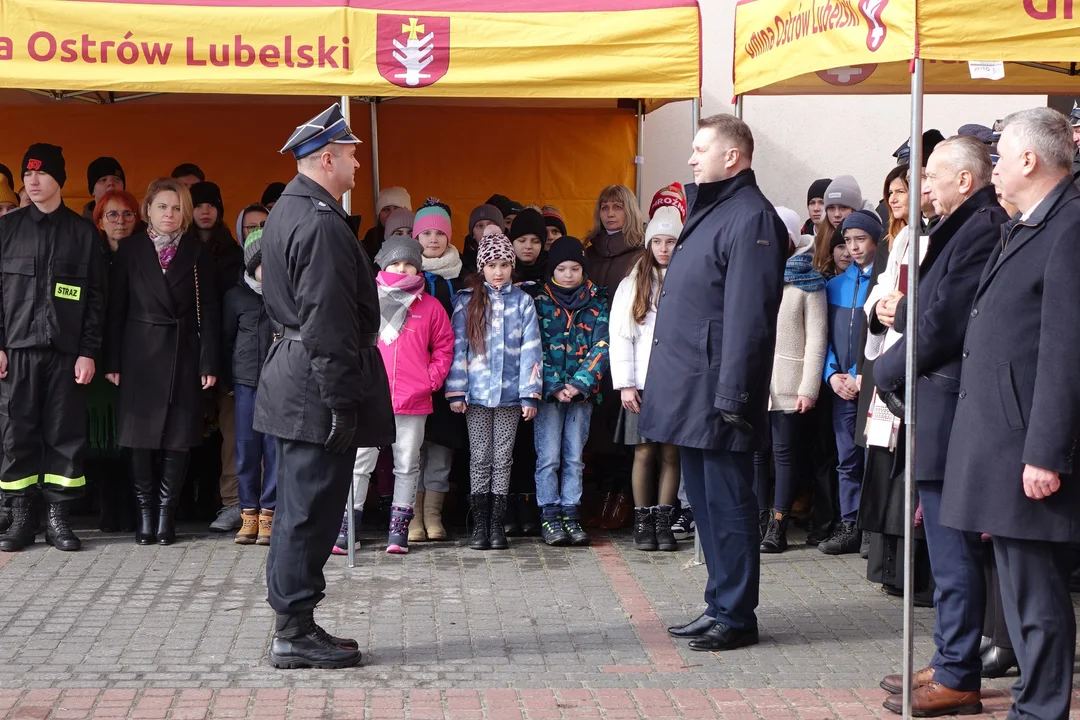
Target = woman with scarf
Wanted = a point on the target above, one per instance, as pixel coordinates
(162, 349)
(417, 346)
(801, 337)
(633, 317)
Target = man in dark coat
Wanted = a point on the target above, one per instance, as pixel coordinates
(958, 183)
(52, 309)
(323, 391)
(1010, 460)
(710, 369)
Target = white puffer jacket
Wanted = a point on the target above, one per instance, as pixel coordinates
(631, 342)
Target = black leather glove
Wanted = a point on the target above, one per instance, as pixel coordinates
(737, 421)
(894, 400)
(342, 432)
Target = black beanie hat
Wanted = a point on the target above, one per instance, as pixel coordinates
(502, 202)
(272, 193)
(817, 189)
(46, 158)
(188, 169)
(207, 192)
(528, 222)
(837, 239)
(565, 249)
(6, 172)
(100, 168)
(555, 222)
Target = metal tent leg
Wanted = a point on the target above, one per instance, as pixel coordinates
(739, 107)
(639, 159)
(351, 518)
(914, 227)
(346, 197)
(375, 156)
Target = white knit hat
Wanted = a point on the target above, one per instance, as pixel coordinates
(396, 196)
(665, 221)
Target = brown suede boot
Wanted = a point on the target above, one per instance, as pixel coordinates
(433, 504)
(416, 525)
(249, 528)
(266, 521)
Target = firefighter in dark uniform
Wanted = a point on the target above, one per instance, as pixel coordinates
(53, 309)
(323, 391)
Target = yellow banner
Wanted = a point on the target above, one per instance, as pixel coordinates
(1016, 30)
(779, 39)
(940, 78)
(560, 49)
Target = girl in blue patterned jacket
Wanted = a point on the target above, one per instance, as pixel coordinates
(495, 380)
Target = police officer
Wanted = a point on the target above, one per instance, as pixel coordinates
(53, 307)
(323, 391)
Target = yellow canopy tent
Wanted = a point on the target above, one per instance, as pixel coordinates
(792, 47)
(532, 98)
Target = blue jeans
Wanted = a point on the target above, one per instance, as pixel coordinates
(561, 432)
(256, 456)
(851, 457)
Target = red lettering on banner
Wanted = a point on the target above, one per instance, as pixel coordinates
(7, 48)
(1051, 12)
(191, 59)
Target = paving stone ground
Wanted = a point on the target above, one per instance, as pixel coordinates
(536, 633)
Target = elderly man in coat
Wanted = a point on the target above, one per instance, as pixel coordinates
(958, 178)
(1010, 461)
(323, 391)
(710, 368)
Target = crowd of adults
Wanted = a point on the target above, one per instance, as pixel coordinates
(772, 350)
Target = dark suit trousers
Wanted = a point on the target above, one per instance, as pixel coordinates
(1034, 580)
(313, 487)
(960, 598)
(720, 487)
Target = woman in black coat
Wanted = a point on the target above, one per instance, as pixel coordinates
(162, 350)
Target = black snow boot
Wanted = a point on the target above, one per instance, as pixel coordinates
(644, 529)
(23, 526)
(497, 534)
(481, 536)
(58, 532)
(663, 516)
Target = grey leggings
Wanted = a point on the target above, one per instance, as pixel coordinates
(492, 432)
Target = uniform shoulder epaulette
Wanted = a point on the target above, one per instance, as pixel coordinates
(321, 206)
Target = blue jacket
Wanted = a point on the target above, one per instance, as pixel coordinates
(846, 295)
(510, 371)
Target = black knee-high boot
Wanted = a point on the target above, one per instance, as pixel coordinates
(173, 472)
(144, 482)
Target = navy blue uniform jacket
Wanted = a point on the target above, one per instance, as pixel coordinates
(948, 277)
(716, 321)
(1019, 392)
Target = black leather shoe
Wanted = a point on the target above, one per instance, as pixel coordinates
(997, 662)
(695, 628)
(347, 643)
(722, 637)
(58, 531)
(300, 643)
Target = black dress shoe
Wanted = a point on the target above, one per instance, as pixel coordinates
(694, 628)
(997, 662)
(722, 637)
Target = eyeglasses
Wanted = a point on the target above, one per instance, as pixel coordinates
(252, 228)
(114, 216)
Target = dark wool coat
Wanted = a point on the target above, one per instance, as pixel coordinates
(444, 426)
(318, 280)
(161, 339)
(716, 321)
(948, 276)
(1019, 401)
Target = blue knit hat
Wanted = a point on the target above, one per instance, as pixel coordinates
(866, 221)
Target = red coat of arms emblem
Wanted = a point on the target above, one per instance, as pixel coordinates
(412, 51)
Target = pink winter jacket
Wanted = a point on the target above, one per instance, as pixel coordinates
(418, 362)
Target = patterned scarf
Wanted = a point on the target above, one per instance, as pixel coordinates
(800, 272)
(397, 293)
(447, 266)
(165, 245)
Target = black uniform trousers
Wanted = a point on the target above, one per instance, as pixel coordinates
(43, 426)
(959, 598)
(720, 487)
(313, 486)
(1034, 578)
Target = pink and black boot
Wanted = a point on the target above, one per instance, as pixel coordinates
(398, 542)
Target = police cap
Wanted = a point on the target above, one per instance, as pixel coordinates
(327, 127)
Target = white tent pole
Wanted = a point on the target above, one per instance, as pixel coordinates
(912, 291)
(695, 118)
(639, 159)
(346, 197)
(375, 155)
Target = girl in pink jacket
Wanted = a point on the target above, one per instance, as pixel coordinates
(417, 346)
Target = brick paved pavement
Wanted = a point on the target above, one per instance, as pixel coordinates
(536, 633)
